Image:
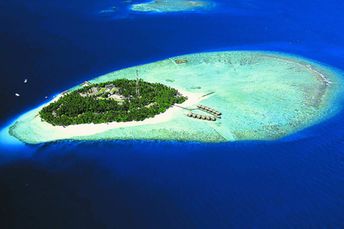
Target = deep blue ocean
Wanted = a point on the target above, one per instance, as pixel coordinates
(295, 182)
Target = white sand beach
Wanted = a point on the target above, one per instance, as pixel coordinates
(89, 129)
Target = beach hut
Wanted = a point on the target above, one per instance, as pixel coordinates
(86, 83)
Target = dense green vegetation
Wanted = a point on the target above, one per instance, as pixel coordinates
(121, 100)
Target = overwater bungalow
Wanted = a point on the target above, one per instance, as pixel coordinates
(86, 83)
(209, 110)
(201, 117)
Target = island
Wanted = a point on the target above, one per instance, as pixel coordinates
(161, 6)
(121, 100)
(202, 97)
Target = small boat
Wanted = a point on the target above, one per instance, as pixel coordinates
(16, 94)
(25, 81)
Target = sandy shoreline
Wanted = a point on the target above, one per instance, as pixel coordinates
(90, 129)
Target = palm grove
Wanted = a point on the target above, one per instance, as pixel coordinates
(120, 100)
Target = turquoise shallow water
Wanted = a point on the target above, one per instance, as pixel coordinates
(293, 182)
(262, 96)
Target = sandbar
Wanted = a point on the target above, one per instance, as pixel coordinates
(161, 6)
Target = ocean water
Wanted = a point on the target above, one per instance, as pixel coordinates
(295, 182)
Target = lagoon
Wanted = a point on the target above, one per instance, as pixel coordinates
(262, 96)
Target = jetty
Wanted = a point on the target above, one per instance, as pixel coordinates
(210, 93)
(185, 108)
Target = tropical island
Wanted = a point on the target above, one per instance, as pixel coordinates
(203, 97)
(162, 6)
(121, 100)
